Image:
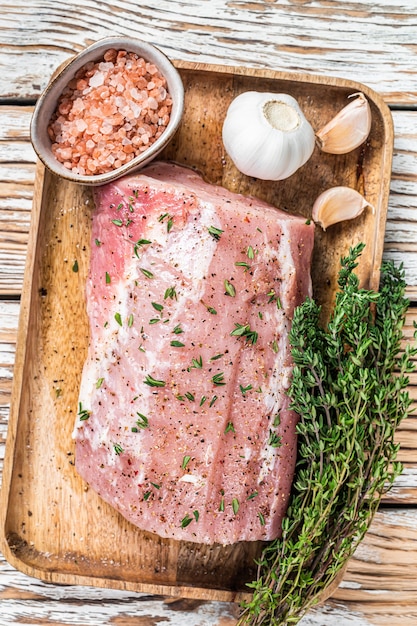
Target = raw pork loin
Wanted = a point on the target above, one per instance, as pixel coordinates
(183, 422)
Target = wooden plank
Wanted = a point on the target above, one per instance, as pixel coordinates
(17, 173)
(9, 314)
(379, 589)
(401, 229)
(301, 37)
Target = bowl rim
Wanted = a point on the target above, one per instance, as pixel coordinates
(46, 105)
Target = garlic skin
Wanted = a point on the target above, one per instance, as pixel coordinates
(348, 129)
(338, 204)
(266, 135)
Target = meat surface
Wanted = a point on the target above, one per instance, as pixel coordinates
(184, 425)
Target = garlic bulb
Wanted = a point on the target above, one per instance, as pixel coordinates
(338, 204)
(266, 135)
(348, 129)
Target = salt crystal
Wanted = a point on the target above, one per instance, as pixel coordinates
(96, 80)
(135, 93)
(120, 101)
(78, 106)
(105, 66)
(136, 109)
(81, 125)
(64, 153)
(152, 103)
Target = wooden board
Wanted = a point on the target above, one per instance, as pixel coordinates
(55, 528)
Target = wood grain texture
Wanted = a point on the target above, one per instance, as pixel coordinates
(371, 42)
(375, 41)
(379, 588)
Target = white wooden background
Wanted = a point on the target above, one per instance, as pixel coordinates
(371, 42)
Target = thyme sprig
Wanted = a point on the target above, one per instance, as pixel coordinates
(349, 388)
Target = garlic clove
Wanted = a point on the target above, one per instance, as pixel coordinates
(266, 135)
(348, 129)
(338, 204)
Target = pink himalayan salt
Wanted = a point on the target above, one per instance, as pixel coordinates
(109, 113)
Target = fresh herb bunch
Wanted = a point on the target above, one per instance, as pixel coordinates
(349, 388)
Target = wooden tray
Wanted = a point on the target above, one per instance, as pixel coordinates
(53, 527)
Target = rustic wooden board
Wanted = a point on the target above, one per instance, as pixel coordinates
(371, 40)
(54, 527)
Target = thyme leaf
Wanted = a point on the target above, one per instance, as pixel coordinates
(215, 232)
(169, 220)
(139, 244)
(186, 520)
(212, 401)
(153, 382)
(83, 414)
(229, 288)
(185, 462)
(218, 379)
(146, 272)
(196, 363)
(244, 330)
(142, 422)
(170, 293)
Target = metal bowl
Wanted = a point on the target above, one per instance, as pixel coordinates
(47, 103)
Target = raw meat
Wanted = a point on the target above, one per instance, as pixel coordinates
(183, 423)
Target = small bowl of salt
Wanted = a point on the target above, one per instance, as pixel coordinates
(108, 112)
